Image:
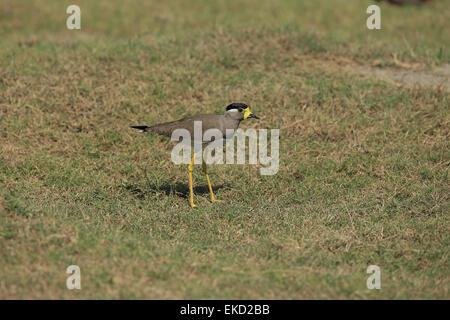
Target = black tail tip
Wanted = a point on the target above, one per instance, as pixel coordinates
(140, 128)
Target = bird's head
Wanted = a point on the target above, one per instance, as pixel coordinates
(240, 111)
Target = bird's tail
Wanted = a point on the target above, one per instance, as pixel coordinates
(141, 128)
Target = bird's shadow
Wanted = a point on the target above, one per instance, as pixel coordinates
(178, 189)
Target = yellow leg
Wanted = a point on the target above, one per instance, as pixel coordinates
(191, 190)
(213, 199)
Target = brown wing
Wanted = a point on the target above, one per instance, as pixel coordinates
(209, 121)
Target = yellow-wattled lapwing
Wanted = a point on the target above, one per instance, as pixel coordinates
(226, 123)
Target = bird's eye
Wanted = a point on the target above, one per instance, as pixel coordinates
(240, 109)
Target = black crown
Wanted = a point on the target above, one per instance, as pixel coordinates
(237, 105)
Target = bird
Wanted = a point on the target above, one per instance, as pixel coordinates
(226, 123)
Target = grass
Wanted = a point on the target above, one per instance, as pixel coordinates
(363, 173)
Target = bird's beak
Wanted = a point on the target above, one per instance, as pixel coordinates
(249, 114)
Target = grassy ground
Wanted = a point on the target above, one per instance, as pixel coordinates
(363, 173)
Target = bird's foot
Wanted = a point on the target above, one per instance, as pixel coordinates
(216, 200)
(193, 205)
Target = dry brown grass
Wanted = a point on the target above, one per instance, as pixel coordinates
(364, 163)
